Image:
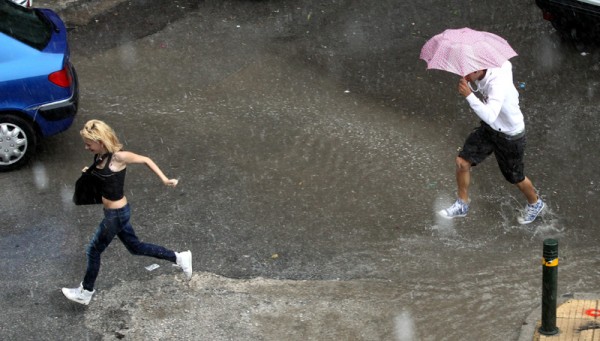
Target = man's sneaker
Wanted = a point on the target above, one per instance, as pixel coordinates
(531, 212)
(184, 260)
(458, 209)
(79, 295)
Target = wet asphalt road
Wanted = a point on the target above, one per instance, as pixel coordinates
(313, 149)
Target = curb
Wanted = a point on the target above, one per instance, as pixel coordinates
(529, 329)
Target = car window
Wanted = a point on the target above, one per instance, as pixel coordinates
(26, 25)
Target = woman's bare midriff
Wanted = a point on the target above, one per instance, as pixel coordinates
(113, 205)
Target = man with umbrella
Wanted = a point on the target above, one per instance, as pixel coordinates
(481, 58)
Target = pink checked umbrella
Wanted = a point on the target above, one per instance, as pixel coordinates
(464, 50)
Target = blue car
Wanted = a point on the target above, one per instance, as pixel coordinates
(38, 84)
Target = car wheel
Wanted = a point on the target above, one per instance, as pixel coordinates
(17, 142)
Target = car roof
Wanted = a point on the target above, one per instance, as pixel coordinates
(11, 49)
(591, 2)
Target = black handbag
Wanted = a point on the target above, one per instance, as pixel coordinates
(87, 188)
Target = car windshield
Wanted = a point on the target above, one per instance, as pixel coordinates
(26, 25)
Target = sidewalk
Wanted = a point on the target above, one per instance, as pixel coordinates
(577, 318)
(77, 12)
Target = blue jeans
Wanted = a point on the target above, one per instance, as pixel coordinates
(116, 223)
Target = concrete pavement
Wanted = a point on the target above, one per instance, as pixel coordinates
(289, 171)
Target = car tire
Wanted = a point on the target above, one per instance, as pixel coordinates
(17, 142)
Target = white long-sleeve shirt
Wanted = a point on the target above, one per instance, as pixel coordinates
(500, 106)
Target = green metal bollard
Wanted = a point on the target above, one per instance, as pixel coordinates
(549, 285)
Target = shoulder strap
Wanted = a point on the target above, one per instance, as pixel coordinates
(97, 160)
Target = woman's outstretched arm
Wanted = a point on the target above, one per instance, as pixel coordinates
(122, 158)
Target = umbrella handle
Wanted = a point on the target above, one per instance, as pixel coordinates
(470, 87)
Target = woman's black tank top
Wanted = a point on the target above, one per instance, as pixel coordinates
(111, 183)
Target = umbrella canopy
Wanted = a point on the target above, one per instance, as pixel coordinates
(462, 51)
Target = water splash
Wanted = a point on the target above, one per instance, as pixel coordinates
(66, 196)
(445, 227)
(404, 327)
(40, 176)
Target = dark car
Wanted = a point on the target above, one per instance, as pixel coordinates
(38, 84)
(24, 3)
(578, 20)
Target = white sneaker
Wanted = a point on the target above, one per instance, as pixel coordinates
(457, 210)
(79, 295)
(184, 260)
(531, 212)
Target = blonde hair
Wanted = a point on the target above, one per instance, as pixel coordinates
(99, 131)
